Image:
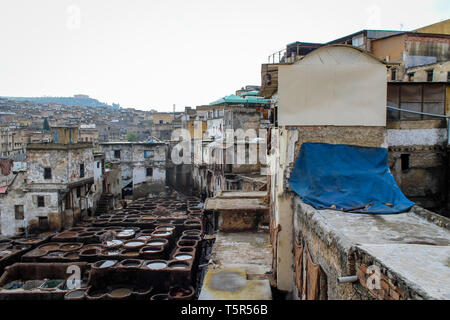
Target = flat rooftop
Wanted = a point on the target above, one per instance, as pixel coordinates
(414, 248)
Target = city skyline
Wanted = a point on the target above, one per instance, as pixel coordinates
(148, 55)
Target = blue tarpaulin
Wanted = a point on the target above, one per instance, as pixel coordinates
(356, 179)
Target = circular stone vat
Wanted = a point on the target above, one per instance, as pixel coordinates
(54, 254)
(51, 284)
(130, 253)
(133, 244)
(71, 256)
(92, 246)
(183, 257)
(94, 229)
(86, 234)
(126, 234)
(156, 264)
(70, 247)
(32, 284)
(13, 285)
(76, 229)
(78, 294)
(179, 293)
(49, 246)
(103, 264)
(151, 250)
(186, 243)
(90, 252)
(36, 253)
(120, 293)
(185, 249)
(157, 242)
(178, 265)
(165, 228)
(191, 232)
(96, 294)
(191, 237)
(131, 263)
(113, 244)
(111, 253)
(144, 238)
(159, 233)
(66, 234)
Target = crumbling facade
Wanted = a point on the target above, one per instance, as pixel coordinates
(143, 165)
(55, 190)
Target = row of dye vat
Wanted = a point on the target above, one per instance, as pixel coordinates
(39, 285)
(126, 292)
(145, 221)
(147, 247)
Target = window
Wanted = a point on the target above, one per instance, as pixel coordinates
(393, 74)
(405, 161)
(82, 170)
(411, 77)
(149, 172)
(78, 192)
(148, 153)
(98, 164)
(448, 76)
(160, 121)
(117, 154)
(40, 201)
(430, 75)
(18, 209)
(358, 41)
(47, 173)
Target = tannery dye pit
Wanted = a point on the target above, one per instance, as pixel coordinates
(150, 250)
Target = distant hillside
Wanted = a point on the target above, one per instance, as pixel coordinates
(77, 100)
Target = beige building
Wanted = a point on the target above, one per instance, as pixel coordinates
(415, 56)
(320, 98)
(162, 118)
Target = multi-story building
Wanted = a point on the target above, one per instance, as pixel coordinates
(143, 165)
(55, 190)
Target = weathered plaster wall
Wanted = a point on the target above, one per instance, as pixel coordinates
(330, 86)
(77, 157)
(423, 175)
(285, 150)
(51, 210)
(37, 160)
(426, 137)
(344, 244)
(15, 196)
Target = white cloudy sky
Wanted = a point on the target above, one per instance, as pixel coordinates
(156, 53)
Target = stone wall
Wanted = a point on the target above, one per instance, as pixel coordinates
(285, 146)
(397, 256)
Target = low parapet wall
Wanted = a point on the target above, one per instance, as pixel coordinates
(401, 256)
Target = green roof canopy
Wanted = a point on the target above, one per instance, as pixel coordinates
(234, 99)
(250, 93)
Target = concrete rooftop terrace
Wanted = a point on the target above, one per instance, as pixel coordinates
(410, 246)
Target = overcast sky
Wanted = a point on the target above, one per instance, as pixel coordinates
(153, 54)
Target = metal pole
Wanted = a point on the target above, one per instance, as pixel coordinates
(347, 279)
